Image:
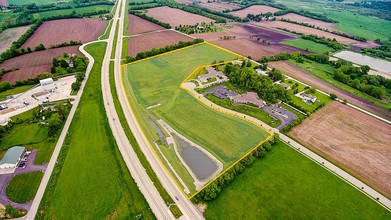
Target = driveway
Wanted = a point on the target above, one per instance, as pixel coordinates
(284, 115)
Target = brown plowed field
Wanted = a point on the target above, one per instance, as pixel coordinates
(245, 46)
(175, 17)
(138, 25)
(10, 35)
(357, 142)
(304, 30)
(255, 10)
(300, 18)
(308, 78)
(65, 30)
(156, 40)
(220, 6)
(3, 2)
(32, 64)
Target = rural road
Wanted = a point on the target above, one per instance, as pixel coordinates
(185, 205)
(359, 185)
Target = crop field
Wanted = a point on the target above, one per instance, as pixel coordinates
(175, 17)
(300, 18)
(156, 40)
(219, 6)
(23, 187)
(59, 31)
(300, 74)
(255, 10)
(31, 64)
(138, 25)
(10, 35)
(244, 45)
(308, 45)
(357, 142)
(82, 10)
(104, 187)
(224, 136)
(287, 185)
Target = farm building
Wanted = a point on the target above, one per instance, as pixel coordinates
(212, 73)
(48, 84)
(307, 97)
(12, 157)
(249, 97)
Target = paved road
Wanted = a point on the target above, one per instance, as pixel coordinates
(359, 185)
(188, 209)
(144, 183)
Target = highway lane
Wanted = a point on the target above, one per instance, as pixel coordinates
(144, 183)
(186, 206)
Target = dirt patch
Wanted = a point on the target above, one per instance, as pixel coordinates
(357, 142)
(255, 10)
(10, 35)
(65, 30)
(308, 78)
(175, 17)
(304, 30)
(32, 64)
(201, 207)
(138, 25)
(244, 45)
(220, 6)
(185, 2)
(156, 40)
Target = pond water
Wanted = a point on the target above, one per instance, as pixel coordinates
(375, 63)
(201, 165)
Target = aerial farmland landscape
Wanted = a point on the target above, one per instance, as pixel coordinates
(184, 109)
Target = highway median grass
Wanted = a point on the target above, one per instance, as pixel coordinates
(91, 180)
(287, 185)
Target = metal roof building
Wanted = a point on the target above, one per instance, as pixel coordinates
(12, 157)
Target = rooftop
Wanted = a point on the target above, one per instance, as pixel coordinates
(12, 155)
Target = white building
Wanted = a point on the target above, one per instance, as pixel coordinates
(46, 81)
(12, 157)
(307, 97)
(48, 84)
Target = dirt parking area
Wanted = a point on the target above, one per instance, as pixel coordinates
(308, 78)
(175, 17)
(10, 35)
(156, 40)
(255, 10)
(353, 140)
(138, 25)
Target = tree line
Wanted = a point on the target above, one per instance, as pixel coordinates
(198, 28)
(362, 39)
(151, 19)
(154, 51)
(306, 14)
(212, 190)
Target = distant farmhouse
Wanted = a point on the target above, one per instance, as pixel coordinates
(12, 157)
(249, 97)
(307, 97)
(286, 86)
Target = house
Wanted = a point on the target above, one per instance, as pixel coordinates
(12, 157)
(212, 73)
(286, 86)
(307, 97)
(248, 98)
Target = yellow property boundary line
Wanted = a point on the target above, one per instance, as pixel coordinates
(240, 57)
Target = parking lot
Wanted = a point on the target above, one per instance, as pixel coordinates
(278, 112)
(36, 96)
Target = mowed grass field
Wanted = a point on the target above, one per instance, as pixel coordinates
(93, 182)
(82, 10)
(287, 185)
(23, 187)
(157, 81)
(308, 45)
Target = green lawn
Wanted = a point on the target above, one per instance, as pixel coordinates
(287, 185)
(69, 11)
(23, 187)
(325, 72)
(91, 181)
(308, 45)
(26, 2)
(226, 137)
(320, 99)
(14, 91)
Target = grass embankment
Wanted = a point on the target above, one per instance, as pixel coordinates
(23, 187)
(224, 136)
(14, 91)
(287, 185)
(308, 45)
(325, 72)
(91, 180)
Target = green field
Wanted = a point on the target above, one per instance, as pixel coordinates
(14, 91)
(308, 45)
(26, 2)
(325, 72)
(23, 187)
(226, 137)
(287, 185)
(91, 181)
(69, 11)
